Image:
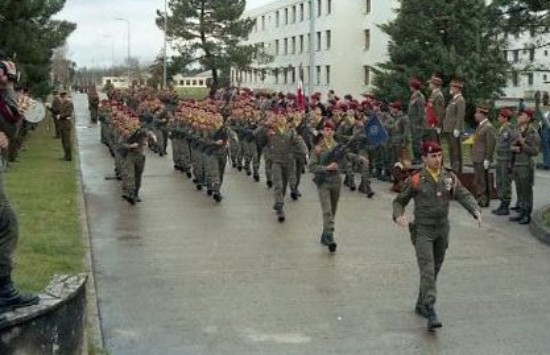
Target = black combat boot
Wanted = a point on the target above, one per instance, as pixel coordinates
(209, 192)
(496, 211)
(517, 218)
(504, 211)
(351, 184)
(256, 177)
(515, 208)
(11, 298)
(269, 184)
(294, 195)
(368, 190)
(525, 219)
(433, 322)
(217, 197)
(188, 173)
(330, 243)
(281, 215)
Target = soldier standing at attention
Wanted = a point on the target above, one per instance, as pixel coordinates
(525, 147)
(399, 135)
(417, 119)
(506, 135)
(66, 110)
(482, 153)
(432, 188)
(56, 101)
(453, 125)
(435, 110)
(328, 181)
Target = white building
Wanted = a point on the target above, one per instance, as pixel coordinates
(347, 43)
(118, 82)
(530, 56)
(197, 81)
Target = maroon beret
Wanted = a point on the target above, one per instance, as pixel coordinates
(529, 112)
(505, 112)
(328, 124)
(430, 147)
(415, 84)
(396, 105)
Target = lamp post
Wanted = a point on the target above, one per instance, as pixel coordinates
(128, 58)
(164, 63)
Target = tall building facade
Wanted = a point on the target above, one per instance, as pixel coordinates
(336, 49)
(529, 55)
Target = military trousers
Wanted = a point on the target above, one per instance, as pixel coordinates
(216, 168)
(235, 152)
(298, 168)
(504, 180)
(186, 155)
(8, 238)
(430, 244)
(93, 114)
(481, 184)
(524, 177)
(132, 172)
(65, 130)
(417, 133)
(329, 195)
(282, 171)
(454, 147)
(250, 155)
(177, 154)
(268, 165)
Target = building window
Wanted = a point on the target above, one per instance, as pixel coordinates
(515, 79)
(544, 78)
(293, 18)
(505, 55)
(276, 75)
(307, 75)
(328, 39)
(532, 31)
(366, 70)
(187, 82)
(546, 53)
(201, 82)
(301, 43)
(367, 6)
(329, 7)
(319, 8)
(327, 74)
(309, 44)
(286, 16)
(301, 12)
(263, 23)
(293, 75)
(276, 47)
(194, 83)
(293, 46)
(285, 47)
(285, 76)
(530, 79)
(277, 18)
(532, 54)
(516, 56)
(367, 39)
(318, 47)
(318, 75)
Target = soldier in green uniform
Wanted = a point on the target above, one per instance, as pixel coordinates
(453, 124)
(133, 163)
(328, 182)
(525, 147)
(343, 134)
(504, 155)
(216, 143)
(283, 142)
(398, 133)
(482, 153)
(432, 188)
(56, 101)
(435, 110)
(66, 110)
(417, 119)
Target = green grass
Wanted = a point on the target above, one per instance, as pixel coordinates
(192, 93)
(43, 191)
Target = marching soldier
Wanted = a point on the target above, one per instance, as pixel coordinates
(525, 148)
(482, 153)
(216, 140)
(453, 124)
(432, 188)
(417, 119)
(506, 135)
(283, 143)
(93, 104)
(66, 110)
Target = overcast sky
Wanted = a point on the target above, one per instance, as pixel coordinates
(100, 40)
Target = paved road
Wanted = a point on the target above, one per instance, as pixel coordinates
(178, 274)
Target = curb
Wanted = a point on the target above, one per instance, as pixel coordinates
(537, 227)
(93, 316)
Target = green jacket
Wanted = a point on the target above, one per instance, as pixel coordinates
(431, 199)
(529, 149)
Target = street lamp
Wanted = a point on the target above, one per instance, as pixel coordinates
(128, 59)
(164, 63)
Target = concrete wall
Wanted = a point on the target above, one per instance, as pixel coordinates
(54, 326)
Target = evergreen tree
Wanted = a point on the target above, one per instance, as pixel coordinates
(451, 38)
(29, 35)
(208, 32)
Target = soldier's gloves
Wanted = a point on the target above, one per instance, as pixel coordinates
(486, 164)
(456, 133)
(438, 130)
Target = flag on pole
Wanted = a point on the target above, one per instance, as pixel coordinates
(375, 132)
(300, 99)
